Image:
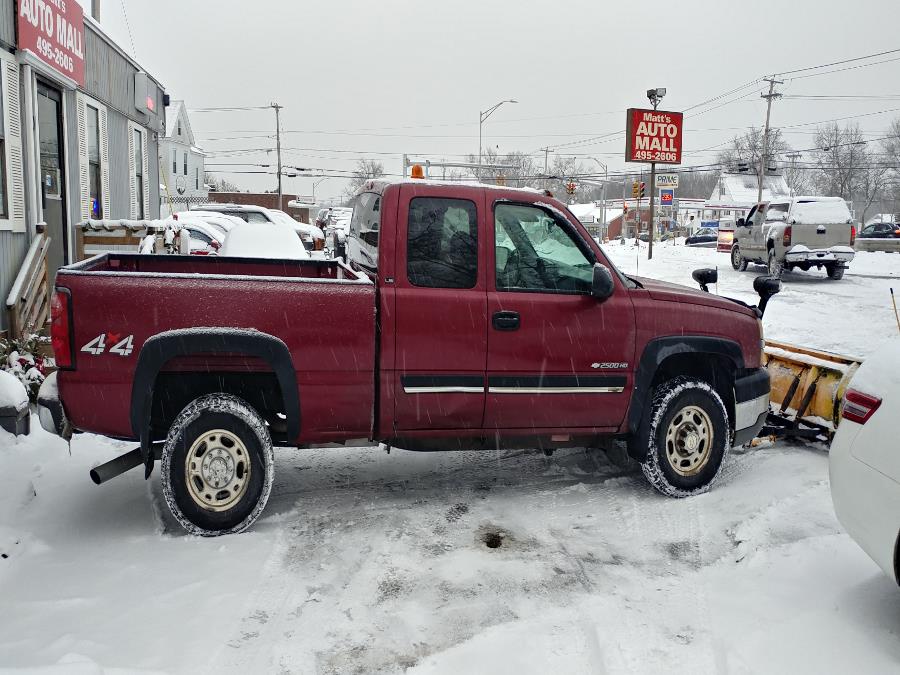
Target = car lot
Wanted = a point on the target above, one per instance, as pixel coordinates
(368, 562)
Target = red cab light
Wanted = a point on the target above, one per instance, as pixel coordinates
(859, 407)
(61, 329)
(852, 234)
(786, 239)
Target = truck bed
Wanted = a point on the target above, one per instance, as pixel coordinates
(322, 311)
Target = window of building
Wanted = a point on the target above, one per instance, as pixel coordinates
(95, 185)
(185, 164)
(179, 128)
(196, 177)
(139, 173)
(442, 243)
(536, 252)
(174, 161)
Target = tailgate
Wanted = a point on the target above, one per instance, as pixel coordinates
(820, 236)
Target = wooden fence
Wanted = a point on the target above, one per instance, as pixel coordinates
(105, 236)
(28, 302)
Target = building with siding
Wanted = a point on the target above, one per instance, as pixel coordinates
(81, 123)
(182, 162)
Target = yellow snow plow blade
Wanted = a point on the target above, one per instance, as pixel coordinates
(807, 388)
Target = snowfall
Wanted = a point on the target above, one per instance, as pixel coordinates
(367, 562)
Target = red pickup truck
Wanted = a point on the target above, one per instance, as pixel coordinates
(467, 317)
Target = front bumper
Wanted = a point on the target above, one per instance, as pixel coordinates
(751, 404)
(50, 409)
(838, 254)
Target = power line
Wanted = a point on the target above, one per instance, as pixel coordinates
(837, 63)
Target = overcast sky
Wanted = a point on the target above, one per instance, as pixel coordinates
(378, 79)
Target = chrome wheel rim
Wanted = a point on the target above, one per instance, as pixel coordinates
(735, 257)
(689, 440)
(217, 470)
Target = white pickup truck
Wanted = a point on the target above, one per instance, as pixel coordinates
(800, 232)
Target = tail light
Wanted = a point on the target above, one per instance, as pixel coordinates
(319, 244)
(61, 329)
(852, 234)
(786, 239)
(859, 407)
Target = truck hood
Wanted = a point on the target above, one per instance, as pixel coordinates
(667, 292)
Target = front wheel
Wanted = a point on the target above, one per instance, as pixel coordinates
(738, 261)
(687, 436)
(835, 271)
(217, 466)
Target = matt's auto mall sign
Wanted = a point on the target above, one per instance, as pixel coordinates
(53, 31)
(653, 136)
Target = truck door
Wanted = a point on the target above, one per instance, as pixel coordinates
(754, 238)
(441, 311)
(557, 357)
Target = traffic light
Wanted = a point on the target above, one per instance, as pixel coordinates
(635, 189)
(570, 188)
(625, 209)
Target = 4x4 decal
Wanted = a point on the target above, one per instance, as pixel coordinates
(120, 346)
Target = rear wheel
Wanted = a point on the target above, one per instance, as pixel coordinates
(835, 271)
(687, 437)
(776, 267)
(217, 466)
(738, 261)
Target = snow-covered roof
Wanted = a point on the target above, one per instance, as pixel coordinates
(177, 110)
(591, 213)
(742, 188)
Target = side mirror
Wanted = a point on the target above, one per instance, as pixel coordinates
(766, 287)
(602, 285)
(705, 276)
(740, 222)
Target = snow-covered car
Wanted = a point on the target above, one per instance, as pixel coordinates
(865, 462)
(312, 237)
(205, 238)
(269, 240)
(335, 222)
(249, 214)
(221, 221)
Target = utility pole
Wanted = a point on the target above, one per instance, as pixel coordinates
(278, 149)
(763, 159)
(793, 156)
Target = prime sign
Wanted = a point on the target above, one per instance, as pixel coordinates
(53, 31)
(653, 136)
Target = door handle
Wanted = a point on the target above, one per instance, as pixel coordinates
(505, 320)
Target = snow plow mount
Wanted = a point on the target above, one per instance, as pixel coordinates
(807, 387)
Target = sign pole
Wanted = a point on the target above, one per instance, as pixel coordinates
(652, 203)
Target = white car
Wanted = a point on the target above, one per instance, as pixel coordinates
(219, 220)
(264, 240)
(865, 460)
(312, 237)
(206, 239)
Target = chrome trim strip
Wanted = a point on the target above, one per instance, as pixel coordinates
(555, 390)
(443, 390)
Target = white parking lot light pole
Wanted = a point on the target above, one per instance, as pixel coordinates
(482, 116)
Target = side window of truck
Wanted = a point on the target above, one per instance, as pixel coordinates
(442, 243)
(535, 252)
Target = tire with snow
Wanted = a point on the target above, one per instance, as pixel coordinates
(217, 466)
(835, 271)
(775, 266)
(738, 261)
(686, 436)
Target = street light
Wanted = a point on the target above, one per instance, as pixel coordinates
(482, 116)
(315, 185)
(602, 191)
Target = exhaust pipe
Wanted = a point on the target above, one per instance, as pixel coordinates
(116, 467)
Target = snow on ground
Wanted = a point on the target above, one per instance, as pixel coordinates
(367, 562)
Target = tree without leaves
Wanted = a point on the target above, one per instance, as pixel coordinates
(366, 169)
(220, 184)
(748, 149)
